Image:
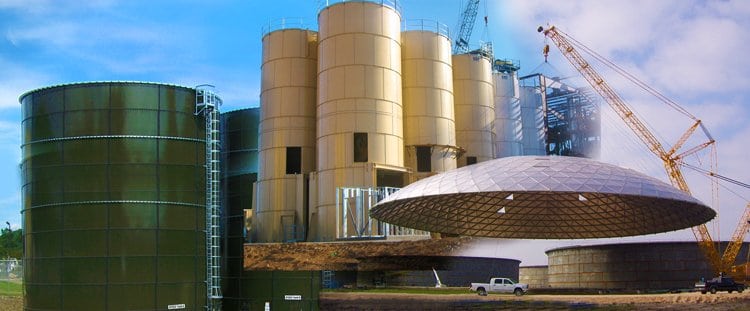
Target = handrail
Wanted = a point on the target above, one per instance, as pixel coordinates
(393, 4)
(426, 25)
(287, 23)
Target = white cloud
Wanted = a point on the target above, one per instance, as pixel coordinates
(703, 56)
(99, 35)
(691, 51)
(15, 80)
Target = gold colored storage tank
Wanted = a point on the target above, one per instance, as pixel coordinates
(508, 128)
(360, 122)
(532, 121)
(430, 129)
(475, 107)
(287, 132)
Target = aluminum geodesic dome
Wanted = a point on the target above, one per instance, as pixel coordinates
(536, 197)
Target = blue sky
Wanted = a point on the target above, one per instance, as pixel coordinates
(692, 51)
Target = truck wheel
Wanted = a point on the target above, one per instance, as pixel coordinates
(481, 291)
(703, 292)
(740, 289)
(730, 291)
(713, 290)
(518, 292)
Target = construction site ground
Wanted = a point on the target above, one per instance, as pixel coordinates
(670, 301)
(395, 301)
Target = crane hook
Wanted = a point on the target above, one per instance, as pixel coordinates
(545, 51)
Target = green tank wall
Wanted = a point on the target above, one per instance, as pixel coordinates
(113, 197)
(279, 289)
(240, 159)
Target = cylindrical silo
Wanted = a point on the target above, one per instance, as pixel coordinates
(360, 124)
(239, 130)
(634, 266)
(532, 121)
(287, 133)
(114, 197)
(534, 276)
(475, 107)
(508, 128)
(429, 126)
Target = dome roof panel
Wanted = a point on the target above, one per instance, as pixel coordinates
(618, 201)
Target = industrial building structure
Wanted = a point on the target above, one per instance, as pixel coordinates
(569, 116)
(348, 114)
(387, 105)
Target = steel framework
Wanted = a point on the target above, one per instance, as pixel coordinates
(465, 27)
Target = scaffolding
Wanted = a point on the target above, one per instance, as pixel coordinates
(207, 104)
(572, 117)
(573, 123)
(353, 206)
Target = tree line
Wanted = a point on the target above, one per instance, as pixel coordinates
(11, 243)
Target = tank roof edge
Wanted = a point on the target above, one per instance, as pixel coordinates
(625, 245)
(20, 98)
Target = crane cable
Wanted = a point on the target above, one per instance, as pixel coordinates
(717, 176)
(629, 76)
(580, 46)
(713, 156)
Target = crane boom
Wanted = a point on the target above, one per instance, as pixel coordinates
(468, 17)
(671, 164)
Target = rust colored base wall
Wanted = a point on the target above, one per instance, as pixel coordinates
(535, 276)
(666, 265)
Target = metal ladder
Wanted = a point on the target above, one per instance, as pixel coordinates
(207, 104)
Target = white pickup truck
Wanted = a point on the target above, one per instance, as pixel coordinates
(499, 285)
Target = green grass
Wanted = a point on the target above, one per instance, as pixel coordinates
(10, 288)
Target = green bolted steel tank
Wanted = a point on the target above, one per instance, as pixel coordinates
(114, 197)
(239, 172)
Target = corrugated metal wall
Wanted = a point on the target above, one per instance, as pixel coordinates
(428, 102)
(287, 120)
(359, 91)
(475, 107)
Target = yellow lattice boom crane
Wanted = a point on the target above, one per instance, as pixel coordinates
(672, 159)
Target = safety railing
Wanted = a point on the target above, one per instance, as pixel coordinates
(426, 25)
(393, 4)
(288, 23)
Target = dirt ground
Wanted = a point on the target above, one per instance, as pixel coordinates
(379, 301)
(679, 301)
(340, 256)
(11, 303)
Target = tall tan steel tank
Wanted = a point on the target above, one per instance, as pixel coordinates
(508, 128)
(475, 107)
(360, 124)
(429, 126)
(532, 121)
(286, 133)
